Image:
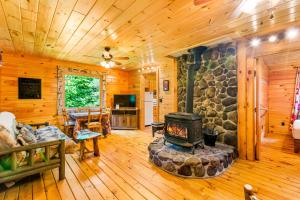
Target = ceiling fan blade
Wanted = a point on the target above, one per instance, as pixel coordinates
(117, 63)
(91, 56)
(199, 2)
(121, 58)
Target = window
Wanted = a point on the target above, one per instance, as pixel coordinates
(81, 91)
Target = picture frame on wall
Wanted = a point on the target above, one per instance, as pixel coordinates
(166, 85)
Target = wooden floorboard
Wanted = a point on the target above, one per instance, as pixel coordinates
(123, 172)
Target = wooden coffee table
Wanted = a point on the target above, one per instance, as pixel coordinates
(84, 135)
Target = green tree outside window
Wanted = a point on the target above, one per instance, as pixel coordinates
(81, 91)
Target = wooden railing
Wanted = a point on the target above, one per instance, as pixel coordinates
(249, 193)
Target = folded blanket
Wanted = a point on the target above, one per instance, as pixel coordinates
(51, 133)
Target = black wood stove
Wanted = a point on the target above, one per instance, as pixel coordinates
(185, 128)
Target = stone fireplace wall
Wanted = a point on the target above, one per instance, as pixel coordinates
(215, 90)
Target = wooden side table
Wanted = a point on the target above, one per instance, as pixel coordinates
(84, 135)
(156, 126)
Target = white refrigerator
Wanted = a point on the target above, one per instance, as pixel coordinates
(148, 103)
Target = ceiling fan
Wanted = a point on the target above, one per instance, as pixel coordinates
(109, 60)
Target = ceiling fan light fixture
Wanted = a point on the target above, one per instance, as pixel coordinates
(105, 64)
(111, 63)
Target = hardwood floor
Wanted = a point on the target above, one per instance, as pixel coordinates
(123, 172)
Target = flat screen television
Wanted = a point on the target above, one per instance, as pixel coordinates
(29, 88)
(125, 100)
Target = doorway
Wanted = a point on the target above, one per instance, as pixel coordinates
(150, 98)
(275, 85)
(149, 107)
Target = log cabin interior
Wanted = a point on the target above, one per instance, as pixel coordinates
(144, 99)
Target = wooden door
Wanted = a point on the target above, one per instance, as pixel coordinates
(261, 104)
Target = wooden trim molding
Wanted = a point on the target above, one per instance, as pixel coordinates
(242, 112)
(62, 71)
(246, 102)
(251, 63)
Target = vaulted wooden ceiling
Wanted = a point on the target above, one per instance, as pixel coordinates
(144, 30)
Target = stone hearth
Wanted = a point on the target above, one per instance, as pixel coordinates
(215, 90)
(205, 162)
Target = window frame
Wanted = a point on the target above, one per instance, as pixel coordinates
(62, 71)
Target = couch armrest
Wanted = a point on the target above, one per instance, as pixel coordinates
(38, 125)
(31, 146)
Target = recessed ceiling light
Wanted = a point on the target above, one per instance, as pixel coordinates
(255, 42)
(292, 33)
(273, 38)
(249, 7)
(114, 36)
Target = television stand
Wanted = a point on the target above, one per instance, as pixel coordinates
(125, 118)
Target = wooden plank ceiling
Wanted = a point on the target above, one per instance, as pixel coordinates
(144, 30)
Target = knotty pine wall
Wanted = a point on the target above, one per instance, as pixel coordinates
(166, 71)
(41, 110)
(150, 81)
(281, 96)
(263, 95)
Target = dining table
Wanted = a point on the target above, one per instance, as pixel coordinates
(82, 117)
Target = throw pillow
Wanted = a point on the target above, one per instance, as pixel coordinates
(27, 135)
(7, 141)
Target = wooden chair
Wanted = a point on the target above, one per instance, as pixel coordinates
(94, 120)
(68, 124)
(108, 111)
(81, 110)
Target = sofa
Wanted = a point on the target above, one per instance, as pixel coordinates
(30, 149)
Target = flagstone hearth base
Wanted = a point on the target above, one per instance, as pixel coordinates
(204, 163)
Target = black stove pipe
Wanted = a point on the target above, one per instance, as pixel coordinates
(192, 68)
